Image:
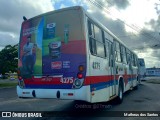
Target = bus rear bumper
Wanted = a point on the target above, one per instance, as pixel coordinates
(72, 94)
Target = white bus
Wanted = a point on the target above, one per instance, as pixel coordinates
(67, 54)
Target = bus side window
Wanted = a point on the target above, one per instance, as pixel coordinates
(121, 53)
(100, 45)
(128, 56)
(117, 52)
(107, 44)
(110, 54)
(135, 60)
(132, 62)
(96, 41)
(92, 42)
(90, 29)
(124, 55)
(107, 48)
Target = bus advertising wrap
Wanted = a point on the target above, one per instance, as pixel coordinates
(46, 50)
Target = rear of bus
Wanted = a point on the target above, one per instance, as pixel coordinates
(52, 56)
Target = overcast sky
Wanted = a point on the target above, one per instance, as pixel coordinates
(135, 22)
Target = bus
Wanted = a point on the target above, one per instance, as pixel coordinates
(68, 54)
(142, 68)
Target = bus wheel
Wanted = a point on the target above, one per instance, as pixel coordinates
(136, 87)
(138, 82)
(120, 93)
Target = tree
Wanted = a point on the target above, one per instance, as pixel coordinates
(9, 59)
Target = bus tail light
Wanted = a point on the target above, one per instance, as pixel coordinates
(70, 94)
(81, 68)
(79, 75)
(19, 77)
(18, 72)
(21, 82)
(78, 82)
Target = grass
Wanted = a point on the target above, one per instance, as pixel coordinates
(155, 81)
(8, 84)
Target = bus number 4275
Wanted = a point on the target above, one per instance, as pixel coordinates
(66, 80)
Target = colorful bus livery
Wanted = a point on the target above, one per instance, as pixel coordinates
(66, 54)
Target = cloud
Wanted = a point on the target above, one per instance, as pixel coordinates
(120, 4)
(11, 17)
(7, 38)
(154, 24)
(151, 58)
(157, 7)
(143, 41)
(63, 6)
(153, 41)
(68, 3)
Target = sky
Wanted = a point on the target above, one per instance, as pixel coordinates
(135, 22)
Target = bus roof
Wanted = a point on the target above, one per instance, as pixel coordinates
(55, 11)
(85, 13)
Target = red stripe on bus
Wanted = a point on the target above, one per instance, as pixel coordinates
(41, 81)
(97, 79)
(88, 80)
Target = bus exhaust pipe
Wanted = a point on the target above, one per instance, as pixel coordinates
(58, 94)
(33, 93)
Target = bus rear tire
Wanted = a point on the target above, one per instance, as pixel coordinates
(136, 87)
(120, 93)
(138, 82)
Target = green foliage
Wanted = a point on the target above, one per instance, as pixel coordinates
(9, 84)
(9, 59)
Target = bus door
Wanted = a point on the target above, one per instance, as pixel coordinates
(111, 68)
(130, 70)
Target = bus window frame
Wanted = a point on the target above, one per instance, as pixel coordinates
(93, 43)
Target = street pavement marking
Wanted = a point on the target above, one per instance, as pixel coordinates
(17, 100)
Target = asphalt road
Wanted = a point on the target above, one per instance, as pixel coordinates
(146, 98)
